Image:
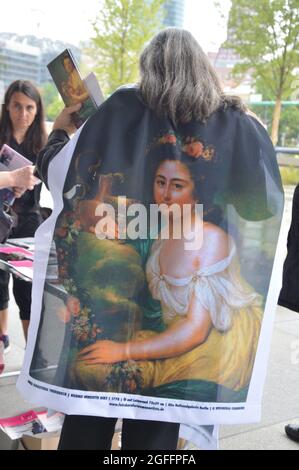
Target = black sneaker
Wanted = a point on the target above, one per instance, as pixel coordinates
(292, 431)
(1, 357)
(5, 340)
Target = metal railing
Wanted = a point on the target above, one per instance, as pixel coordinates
(287, 156)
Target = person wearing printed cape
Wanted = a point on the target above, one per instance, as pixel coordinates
(144, 316)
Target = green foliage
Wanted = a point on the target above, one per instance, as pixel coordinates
(52, 101)
(265, 33)
(122, 29)
(49, 92)
(110, 271)
(54, 109)
(289, 129)
(289, 175)
(110, 274)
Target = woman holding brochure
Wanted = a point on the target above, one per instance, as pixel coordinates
(178, 107)
(20, 180)
(22, 127)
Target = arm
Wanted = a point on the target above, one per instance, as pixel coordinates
(184, 335)
(79, 98)
(76, 89)
(6, 179)
(56, 141)
(21, 178)
(59, 137)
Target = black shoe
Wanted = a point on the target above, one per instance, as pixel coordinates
(5, 340)
(292, 431)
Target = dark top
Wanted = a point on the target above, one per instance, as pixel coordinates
(56, 141)
(289, 295)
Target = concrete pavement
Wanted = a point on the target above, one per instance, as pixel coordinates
(280, 399)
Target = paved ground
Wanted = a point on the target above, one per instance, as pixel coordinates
(280, 403)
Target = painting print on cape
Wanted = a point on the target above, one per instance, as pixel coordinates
(140, 323)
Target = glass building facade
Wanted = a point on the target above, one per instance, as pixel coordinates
(174, 13)
(18, 62)
(26, 58)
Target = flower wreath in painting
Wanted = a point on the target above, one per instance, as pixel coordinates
(192, 146)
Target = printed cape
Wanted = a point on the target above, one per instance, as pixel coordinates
(111, 331)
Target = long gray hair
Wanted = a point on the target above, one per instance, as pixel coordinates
(178, 80)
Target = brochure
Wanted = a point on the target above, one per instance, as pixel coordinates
(11, 160)
(72, 88)
(94, 89)
(31, 423)
(16, 252)
(17, 260)
(27, 242)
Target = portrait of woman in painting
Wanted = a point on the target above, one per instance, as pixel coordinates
(195, 322)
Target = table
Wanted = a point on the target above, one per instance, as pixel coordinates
(52, 284)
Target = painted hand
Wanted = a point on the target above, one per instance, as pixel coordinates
(103, 352)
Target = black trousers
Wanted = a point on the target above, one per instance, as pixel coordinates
(21, 291)
(96, 433)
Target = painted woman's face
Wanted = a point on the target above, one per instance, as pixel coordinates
(68, 65)
(173, 184)
(22, 111)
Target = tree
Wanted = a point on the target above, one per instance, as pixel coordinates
(288, 128)
(265, 34)
(122, 28)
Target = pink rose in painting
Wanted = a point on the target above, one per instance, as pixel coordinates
(167, 139)
(73, 305)
(170, 139)
(194, 149)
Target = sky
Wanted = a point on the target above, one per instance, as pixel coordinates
(70, 21)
